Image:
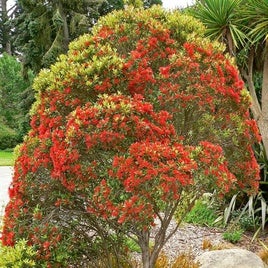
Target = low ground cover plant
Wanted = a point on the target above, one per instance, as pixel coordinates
(135, 123)
(202, 214)
(233, 234)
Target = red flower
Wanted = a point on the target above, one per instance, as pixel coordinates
(165, 71)
(46, 245)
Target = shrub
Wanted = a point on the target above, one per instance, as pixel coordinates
(138, 119)
(252, 216)
(8, 137)
(248, 222)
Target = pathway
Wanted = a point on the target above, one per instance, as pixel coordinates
(5, 179)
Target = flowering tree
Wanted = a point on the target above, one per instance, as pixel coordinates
(137, 121)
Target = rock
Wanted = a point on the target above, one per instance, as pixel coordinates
(230, 258)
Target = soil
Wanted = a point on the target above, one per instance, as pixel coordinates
(255, 245)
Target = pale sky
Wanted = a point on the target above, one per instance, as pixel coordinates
(169, 4)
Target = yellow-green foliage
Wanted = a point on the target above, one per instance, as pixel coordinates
(19, 256)
(182, 27)
(134, 3)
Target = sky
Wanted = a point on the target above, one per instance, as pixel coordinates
(170, 4)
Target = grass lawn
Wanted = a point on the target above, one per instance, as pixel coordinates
(6, 158)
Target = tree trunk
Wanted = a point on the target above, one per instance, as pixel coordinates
(144, 240)
(263, 120)
(255, 107)
(263, 127)
(260, 112)
(150, 255)
(230, 43)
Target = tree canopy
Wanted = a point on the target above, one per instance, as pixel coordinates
(134, 123)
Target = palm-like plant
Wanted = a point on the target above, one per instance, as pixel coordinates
(222, 22)
(256, 12)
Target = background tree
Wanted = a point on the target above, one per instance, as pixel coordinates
(108, 6)
(256, 18)
(133, 124)
(12, 96)
(13, 121)
(4, 30)
(6, 15)
(242, 26)
(45, 28)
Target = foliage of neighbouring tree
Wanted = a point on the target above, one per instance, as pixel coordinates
(242, 26)
(135, 123)
(13, 97)
(45, 28)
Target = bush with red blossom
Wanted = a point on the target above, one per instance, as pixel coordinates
(137, 121)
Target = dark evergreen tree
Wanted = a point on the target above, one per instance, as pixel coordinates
(45, 28)
(149, 3)
(5, 45)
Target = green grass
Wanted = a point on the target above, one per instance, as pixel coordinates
(6, 158)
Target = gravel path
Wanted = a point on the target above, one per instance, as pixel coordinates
(189, 238)
(5, 180)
